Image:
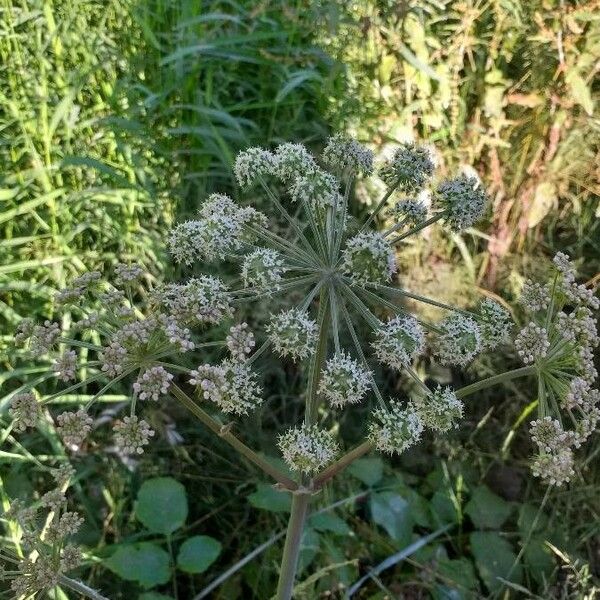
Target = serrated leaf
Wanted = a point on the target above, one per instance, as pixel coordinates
(268, 498)
(198, 553)
(392, 512)
(162, 505)
(367, 470)
(486, 509)
(494, 558)
(145, 563)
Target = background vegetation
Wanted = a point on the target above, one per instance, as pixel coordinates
(118, 116)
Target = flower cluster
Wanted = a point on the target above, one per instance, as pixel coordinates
(558, 342)
(307, 448)
(459, 341)
(132, 434)
(344, 381)
(263, 268)
(395, 429)
(369, 258)
(399, 342)
(440, 409)
(463, 200)
(293, 333)
(409, 169)
(153, 383)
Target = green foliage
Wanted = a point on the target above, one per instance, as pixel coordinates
(146, 564)
(198, 553)
(495, 559)
(268, 498)
(162, 505)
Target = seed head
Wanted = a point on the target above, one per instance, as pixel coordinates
(131, 435)
(307, 448)
(344, 381)
(410, 168)
(460, 340)
(410, 210)
(399, 342)
(396, 429)
(127, 274)
(532, 343)
(464, 199)
(293, 334)
(554, 469)
(369, 258)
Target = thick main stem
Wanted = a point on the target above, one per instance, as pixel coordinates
(291, 549)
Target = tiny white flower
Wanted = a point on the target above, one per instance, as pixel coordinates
(307, 448)
(344, 381)
(399, 341)
(293, 333)
(396, 429)
(464, 200)
(369, 258)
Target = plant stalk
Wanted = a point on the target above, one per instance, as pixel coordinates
(291, 549)
(490, 381)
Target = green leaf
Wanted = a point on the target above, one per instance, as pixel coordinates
(368, 470)
(146, 563)
(487, 511)
(580, 91)
(162, 505)
(539, 560)
(494, 558)
(443, 509)
(198, 553)
(333, 523)
(309, 547)
(268, 498)
(459, 571)
(392, 512)
(527, 516)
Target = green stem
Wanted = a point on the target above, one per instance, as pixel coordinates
(490, 381)
(380, 206)
(419, 227)
(80, 588)
(318, 359)
(291, 549)
(223, 432)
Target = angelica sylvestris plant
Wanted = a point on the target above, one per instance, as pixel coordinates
(344, 273)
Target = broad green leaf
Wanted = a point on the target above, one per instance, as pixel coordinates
(459, 571)
(368, 470)
(580, 91)
(147, 564)
(392, 512)
(486, 509)
(198, 553)
(333, 523)
(268, 498)
(539, 560)
(494, 558)
(443, 509)
(309, 547)
(527, 516)
(162, 505)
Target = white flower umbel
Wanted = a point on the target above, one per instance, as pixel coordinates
(74, 427)
(369, 258)
(409, 211)
(232, 386)
(25, 410)
(128, 274)
(549, 435)
(293, 333)
(346, 154)
(65, 365)
(532, 343)
(554, 469)
(459, 341)
(317, 188)
(464, 201)
(440, 409)
(240, 341)
(344, 381)
(253, 163)
(153, 383)
(112, 359)
(495, 323)
(292, 160)
(396, 429)
(307, 448)
(198, 301)
(264, 268)
(132, 434)
(409, 169)
(535, 296)
(399, 342)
